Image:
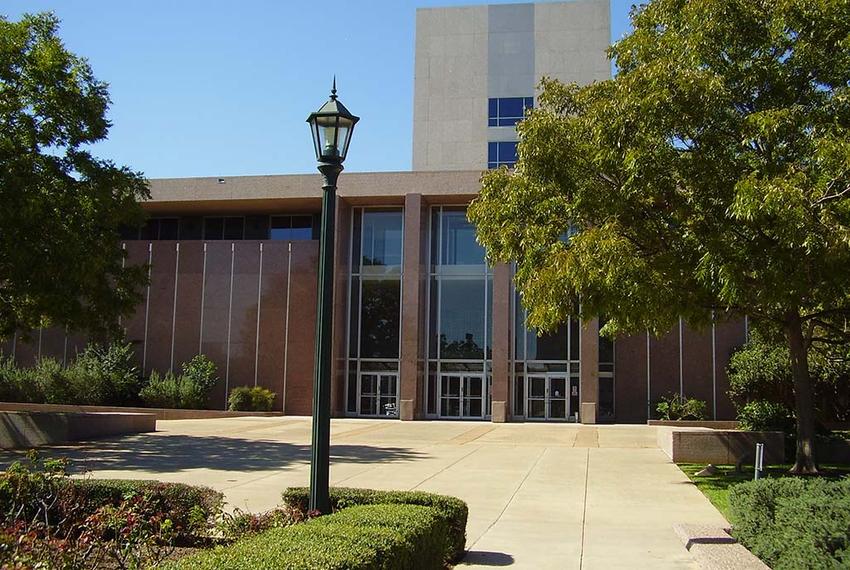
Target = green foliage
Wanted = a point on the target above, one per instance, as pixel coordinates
(675, 407)
(62, 207)
(761, 415)
(794, 523)
(189, 390)
(708, 177)
(361, 537)
(452, 509)
(100, 375)
(252, 399)
(238, 524)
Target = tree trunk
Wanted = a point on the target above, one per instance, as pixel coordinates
(804, 462)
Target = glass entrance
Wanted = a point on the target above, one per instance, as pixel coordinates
(547, 398)
(379, 394)
(462, 396)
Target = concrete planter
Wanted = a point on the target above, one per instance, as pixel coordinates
(159, 413)
(712, 424)
(722, 447)
(33, 429)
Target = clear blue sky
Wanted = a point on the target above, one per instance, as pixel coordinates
(208, 88)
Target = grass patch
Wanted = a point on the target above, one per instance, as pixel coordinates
(716, 487)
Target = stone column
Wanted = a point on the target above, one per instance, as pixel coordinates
(501, 410)
(413, 304)
(589, 371)
(340, 309)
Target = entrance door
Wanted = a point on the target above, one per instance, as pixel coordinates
(547, 398)
(379, 394)
(462, 396)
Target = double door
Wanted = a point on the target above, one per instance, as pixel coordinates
(463, 396)
(551, 397)
(379, 394)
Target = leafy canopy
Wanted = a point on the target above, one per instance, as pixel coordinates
(60, 207)
(712, 172)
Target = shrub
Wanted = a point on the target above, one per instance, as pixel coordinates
(189, 390)
(761, 415)
(675, 407)
(17, 384)
(112, 369)
(452, 509)
(239, 524)
(384, 536)
(252, 399)
(794, 522)
(201, 371)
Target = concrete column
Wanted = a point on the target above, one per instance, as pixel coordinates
(340, 312)
(501, 410)
(413, 303)
(589, 371)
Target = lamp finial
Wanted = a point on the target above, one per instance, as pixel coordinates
(333, 89)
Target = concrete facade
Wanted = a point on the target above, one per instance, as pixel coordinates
(467, 55)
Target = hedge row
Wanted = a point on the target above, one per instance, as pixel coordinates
(357, 538)
(793, 523)
(453, 510)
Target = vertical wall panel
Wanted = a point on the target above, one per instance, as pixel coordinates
(340, 311)
(216, 302)
(188, 314)
(160, 311)
(243, 320)
(134, 325)
(696, 358)
(53, 343)
(630, 378)
(273, 319)
(302, 327)
(731, 335)
(664, 366)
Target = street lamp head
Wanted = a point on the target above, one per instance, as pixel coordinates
(331, 127)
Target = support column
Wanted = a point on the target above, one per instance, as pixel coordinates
(340, 308)
(501, 394)
(413, 303)
(589, 371)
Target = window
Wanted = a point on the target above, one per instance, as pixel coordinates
(501, 154)
(508, 111)
(291, 227)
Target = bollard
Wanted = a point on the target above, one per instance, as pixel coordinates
(759, 463)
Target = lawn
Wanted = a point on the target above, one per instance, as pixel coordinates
(716, 487)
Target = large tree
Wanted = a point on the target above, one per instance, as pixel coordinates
(711, 175)
(61, 208)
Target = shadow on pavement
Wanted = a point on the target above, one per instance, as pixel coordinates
(172, 453)
(486, 558)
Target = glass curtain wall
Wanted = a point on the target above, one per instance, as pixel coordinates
(460, 319)
(374, 332)
(546, 370)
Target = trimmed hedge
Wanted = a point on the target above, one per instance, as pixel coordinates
(357, 538)
(793, 522)
(452, 509)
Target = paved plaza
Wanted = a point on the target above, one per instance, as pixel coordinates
(540, 495)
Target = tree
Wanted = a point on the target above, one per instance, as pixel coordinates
(711, 175)
(60, 207)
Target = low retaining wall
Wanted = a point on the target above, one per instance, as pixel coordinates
(713, 424)
(835, 451)
(160, 413)
(33, 429)
(722, 447)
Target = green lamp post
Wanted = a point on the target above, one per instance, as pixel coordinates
(331, 127)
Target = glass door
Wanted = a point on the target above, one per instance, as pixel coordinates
(547, 398)
(379, 394)
(462, 396)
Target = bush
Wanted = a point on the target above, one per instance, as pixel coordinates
(201, 371)
(251, 399)
(190, 390)
(793, 522)
(675, 407)
(452, 509)
(761, 415)
(384, 536)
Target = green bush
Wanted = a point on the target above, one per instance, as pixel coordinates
(761, 415)
(362, 537)
(793, 522)
(201, 371)
(452, 509)
(675, 407)
(17, 384)
(251, 399)
(189, 390)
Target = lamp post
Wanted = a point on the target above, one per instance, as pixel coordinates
(331, 127)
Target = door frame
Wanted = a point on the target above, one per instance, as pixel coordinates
(461, 397)
(378, 394)
(547, 399)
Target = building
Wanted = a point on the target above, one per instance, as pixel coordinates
(423, 328)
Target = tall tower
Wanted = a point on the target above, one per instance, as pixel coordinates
(477, 68)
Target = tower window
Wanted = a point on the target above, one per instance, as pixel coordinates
(501, 154)
(507, 111)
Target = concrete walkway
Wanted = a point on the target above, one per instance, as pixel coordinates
(540, 495)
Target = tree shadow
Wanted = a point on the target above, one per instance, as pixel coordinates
(488, 558)
(175, 453)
